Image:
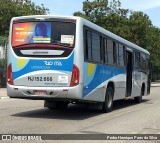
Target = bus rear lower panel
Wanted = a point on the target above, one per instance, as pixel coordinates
(43, 93)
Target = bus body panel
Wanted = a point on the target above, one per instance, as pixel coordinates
(76, 92)
(139, 78)
(136, 83)
(93, 77)
(93, 82)
(28, 92)
(52, 75)
(42, 72)
(144, 81)
(97, 92)
(96, 78)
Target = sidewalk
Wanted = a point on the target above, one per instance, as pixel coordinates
(3, 93)
(155, 84)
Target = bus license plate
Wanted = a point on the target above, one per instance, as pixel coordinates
(40, 92)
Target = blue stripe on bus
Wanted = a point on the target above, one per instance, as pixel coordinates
(101, 74)
(36, 65)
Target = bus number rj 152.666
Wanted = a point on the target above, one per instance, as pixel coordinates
(40, 78)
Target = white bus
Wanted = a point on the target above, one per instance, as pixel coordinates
(62, 60)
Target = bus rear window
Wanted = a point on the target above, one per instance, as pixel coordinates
(62, 33)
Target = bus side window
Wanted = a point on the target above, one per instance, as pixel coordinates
(117, 54)
(134, 59)
(121, 55)
(143, 62)
(148, 63)
(110, 51)
(101, 50)
(105, 50)
(96, 47)
(137, 60)
(114, 53)
(88, 46)
(93, 47)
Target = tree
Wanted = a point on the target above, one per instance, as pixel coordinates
(147, 36)
(13, 8)
(107, 15)
(153, 46)
(98, 10)
(139, 24)
(10, 8)
(135, 26)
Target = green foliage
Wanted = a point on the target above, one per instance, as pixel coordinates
(2, 61)
(153, 46)
(3, 40)
(105, 14)
(133, 26)
(139, 24)
(9, 9)
(3, 66)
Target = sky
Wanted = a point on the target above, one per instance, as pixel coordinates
(68, 7)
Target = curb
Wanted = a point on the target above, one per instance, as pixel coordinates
(1, 98)
(155, 85)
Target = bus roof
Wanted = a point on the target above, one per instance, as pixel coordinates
(89, 24)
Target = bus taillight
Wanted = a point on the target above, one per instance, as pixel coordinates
(9, 74)
(75, 76)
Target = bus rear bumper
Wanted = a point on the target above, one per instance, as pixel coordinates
(43, 93)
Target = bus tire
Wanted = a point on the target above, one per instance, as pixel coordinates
(139, 98)
(108, 103)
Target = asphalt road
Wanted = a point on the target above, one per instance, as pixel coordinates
(19, 116)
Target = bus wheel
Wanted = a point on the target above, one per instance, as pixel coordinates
(139, 98)
(107, 105)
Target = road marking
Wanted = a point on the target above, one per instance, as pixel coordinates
(127, 111)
